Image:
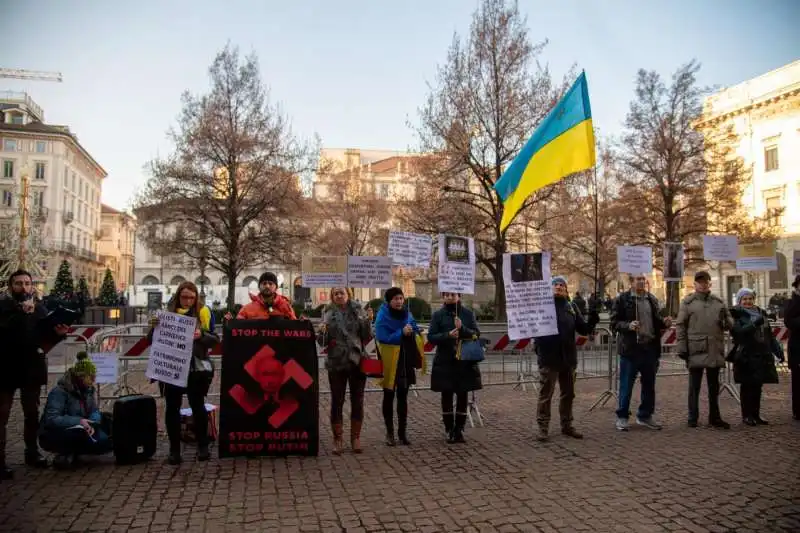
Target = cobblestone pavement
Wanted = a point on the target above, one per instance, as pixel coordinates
(679, 479)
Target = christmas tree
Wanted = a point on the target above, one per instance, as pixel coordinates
(83, 290)
(63, 287)
(108, 291)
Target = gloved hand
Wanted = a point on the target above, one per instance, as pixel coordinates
(780, 357)
(759, 321)
(684, 355)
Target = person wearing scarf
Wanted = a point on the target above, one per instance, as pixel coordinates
(791, 318)
(402, 352)
(267, 303)
(451, 325)
(753, 354)
(201, 373)
(344, 332)
(71, 423)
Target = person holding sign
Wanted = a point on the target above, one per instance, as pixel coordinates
(268, 303)
(753, 354)
(450, 326)
(791, 318)
(71, 423)
(701, 324)
(557, 357)
(636, 320)
(201, 373)
(345, 330)
(402, 352)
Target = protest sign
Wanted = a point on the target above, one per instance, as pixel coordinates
(720, 247)
(269, 393)
(530, 305)
(107, 365)
(369, 272)
(170, 356)
(757, 257)
(456, 264)
(673, 261)
(796, 263)
(412, 250)
(634, 259)
(324, 271)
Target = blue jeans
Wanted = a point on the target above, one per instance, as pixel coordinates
(75, 442)
(644, 362)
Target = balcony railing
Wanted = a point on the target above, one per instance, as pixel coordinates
(69, 216)
(40, 213)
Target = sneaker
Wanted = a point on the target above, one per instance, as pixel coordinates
(622, 424)
(648, 423)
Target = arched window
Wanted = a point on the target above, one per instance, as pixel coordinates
(223, 281)
(177, 280)
(249, 280)
(202, 280)
(150, 280)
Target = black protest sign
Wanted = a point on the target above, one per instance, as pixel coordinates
(269, 397)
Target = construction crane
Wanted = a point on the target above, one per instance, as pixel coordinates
(21, 74)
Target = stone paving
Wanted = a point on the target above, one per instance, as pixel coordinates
(677, 480)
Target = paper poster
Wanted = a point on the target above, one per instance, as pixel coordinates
(673, 261)
(107, 367)
(720, 247)
(456, 264)
(530, 305)
(757, 257)
(324, 271)
(171, 350)
(369, 272)
(412, 250)
(796, 263)
(634, 259)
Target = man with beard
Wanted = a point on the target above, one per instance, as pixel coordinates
(268, 303)
(24, 328)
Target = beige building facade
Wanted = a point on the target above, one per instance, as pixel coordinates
(116, 245)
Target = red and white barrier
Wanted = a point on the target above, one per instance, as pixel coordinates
(77, 333)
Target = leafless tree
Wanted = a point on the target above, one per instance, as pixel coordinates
(229, 193)
(488, 98)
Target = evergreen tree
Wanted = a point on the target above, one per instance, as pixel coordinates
(63, 288)
(83, 289)
(108, 291)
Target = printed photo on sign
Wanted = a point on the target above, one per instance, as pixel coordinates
(324, 271)
(412, 250)
(673, 261)
(457, 249)
(455, 273)
(526, 267)
(757, 257)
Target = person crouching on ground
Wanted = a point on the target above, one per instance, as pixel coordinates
(345, 330)
(450, 375)
(753, 354)
(71, 422)
(402, 351)
(557, 358)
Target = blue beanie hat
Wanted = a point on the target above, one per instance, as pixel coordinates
(744, 291)
(558, 279)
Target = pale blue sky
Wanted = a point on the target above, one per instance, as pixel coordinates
(351, 71)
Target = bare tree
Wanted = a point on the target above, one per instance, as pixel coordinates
(678, 185)
(488, 99)
(229, 193)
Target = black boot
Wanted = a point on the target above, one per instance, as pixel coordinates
(458, 431)
(390, 440)
(202, 452)
(6, 473)
(449, 424)
(757, 411)
(35, 459)
(402, 436)
(174, 457)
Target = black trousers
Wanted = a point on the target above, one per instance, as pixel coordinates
(750, 396)
(695, 383)
(461, 402)
(195, 391)
(402, 409)
(339, 379)
(795, 370)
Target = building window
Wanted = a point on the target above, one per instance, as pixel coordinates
(8, 198)
(38, 198)
(382, 191)
(41, 147)
(774, 211)
(8, 169)
(39, 171)
(9, 145)
(770, 158)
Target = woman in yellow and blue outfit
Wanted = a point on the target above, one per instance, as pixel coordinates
(402, 352)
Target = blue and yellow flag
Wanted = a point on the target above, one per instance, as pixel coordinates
(562, 145)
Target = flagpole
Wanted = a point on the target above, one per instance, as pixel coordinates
(596, 239)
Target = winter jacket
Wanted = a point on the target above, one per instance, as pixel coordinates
(201, 362)
(623, 313)
(24, 335)
(346, 333)
(558, 352)
(450, 374)
(791, 319)
(701, 324)
(258, 310)
(67, 405)
(754, 349)
(400, 355)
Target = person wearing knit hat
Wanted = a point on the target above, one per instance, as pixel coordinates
(72, 423)
(791, 318)
(267, 303)
(753, 355)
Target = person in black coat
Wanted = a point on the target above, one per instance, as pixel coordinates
(24, 329)
(450, 376)
(753, 354)
(557, 357)
(791, 319)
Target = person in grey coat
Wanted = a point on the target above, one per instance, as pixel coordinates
(702, 321)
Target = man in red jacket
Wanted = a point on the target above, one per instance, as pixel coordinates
(268, 303)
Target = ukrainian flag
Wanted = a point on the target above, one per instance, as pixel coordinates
(562, 145)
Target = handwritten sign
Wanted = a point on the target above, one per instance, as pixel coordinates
(634, 259)
(171, 350)
(796, 263)
(366, 271)
(411, 250)
(324, 271)
(720, 247)
(530, 305)
(757, 257)
(456, 264)
(107, 367)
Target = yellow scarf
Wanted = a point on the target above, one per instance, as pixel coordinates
(203, 321)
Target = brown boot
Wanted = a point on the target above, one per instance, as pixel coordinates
(338, 441)
(355, 436)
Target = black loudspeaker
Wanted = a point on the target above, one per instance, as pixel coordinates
(135, 429)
